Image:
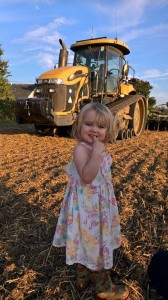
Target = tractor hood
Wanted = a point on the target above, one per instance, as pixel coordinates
(64, 74)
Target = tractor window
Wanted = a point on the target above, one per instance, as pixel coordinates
(81, 58)
(114, 70)
(89, 57)
(95, 59)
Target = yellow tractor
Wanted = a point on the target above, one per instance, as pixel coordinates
(99, 73)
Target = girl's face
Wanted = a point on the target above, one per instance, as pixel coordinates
(91, 128)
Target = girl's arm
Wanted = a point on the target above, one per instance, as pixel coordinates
(88, 161)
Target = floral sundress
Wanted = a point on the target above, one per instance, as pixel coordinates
(88, 224)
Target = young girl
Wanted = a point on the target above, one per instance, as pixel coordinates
(88, 224)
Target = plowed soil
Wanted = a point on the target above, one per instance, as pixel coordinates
(32, 185)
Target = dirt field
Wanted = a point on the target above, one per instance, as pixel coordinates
(32, 186)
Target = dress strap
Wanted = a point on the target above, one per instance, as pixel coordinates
(83, 143)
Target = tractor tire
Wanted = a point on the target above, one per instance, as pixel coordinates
(138, 114)
(128, 133)
(122, 135)
(131, 132)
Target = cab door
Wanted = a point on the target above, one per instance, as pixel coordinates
(114, 70)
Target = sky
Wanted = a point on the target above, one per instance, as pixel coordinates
(30, 31)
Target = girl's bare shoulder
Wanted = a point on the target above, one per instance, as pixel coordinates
(82, 149)
(82, 146)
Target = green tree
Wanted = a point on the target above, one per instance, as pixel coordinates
(5, 86)
(143, 87)
(151, 102)
(6, 93)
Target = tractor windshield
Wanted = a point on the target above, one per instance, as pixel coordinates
(89, 56)
(104, 64)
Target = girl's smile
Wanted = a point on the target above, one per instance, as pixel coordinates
(91, 129)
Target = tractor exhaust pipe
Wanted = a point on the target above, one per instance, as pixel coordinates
(63, 55)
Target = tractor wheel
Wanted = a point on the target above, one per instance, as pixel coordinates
(128, 133)
(122, 135)
(138, 114)
(131, 132)
(43, 130)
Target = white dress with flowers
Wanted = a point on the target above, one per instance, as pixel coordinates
(88, 223)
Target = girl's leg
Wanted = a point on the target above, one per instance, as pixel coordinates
(104, 287)
(82, 277)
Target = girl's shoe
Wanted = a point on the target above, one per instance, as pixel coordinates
(117, 292)
(82, 277)
(105, 289)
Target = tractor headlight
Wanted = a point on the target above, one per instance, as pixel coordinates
(51, 90)
(56, 81)
(38, 91)
(51, 80)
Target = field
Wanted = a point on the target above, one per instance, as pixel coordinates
(32, 185)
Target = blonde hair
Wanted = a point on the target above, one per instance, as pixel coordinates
(104, 117)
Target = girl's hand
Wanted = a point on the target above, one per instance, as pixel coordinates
(88, 161)
(98, 146)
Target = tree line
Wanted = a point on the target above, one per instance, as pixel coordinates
(7, 97)
(6, 93)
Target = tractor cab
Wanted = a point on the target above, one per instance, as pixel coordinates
(105, 63)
